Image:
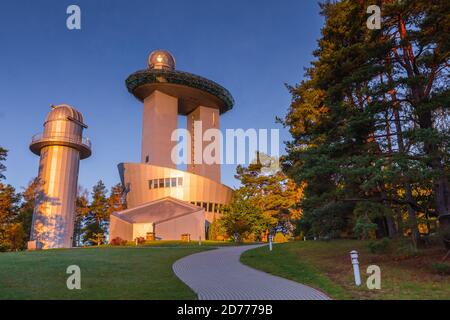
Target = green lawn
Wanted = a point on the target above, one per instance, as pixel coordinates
(106, 273)
(326, 266)
(184, 244)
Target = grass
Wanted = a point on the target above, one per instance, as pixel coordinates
(106, 273)
(185, 244)
(326, 266)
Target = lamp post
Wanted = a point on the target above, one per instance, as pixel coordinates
(355, 263)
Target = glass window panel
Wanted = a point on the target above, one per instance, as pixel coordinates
(174, 182)
(180, 181)
(155, 183)
(210, 207)
(161, 183)
(167, 182)
(150, 183)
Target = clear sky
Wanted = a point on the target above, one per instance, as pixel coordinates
(250, 47)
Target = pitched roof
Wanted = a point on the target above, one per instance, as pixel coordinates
(157, 211)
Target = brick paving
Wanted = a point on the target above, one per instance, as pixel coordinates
(218, 275)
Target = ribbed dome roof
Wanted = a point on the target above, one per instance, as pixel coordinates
(62, 111)
(161, 59)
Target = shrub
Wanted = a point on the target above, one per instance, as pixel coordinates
(380, 246)
(139, 240)
(441, 268)
(118, 241)
(406, 248)
(280, 238)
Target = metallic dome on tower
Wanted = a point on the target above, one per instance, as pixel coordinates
(62, 112)
(161, 59)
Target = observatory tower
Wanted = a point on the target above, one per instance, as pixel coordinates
(163, 200)
(60, 147)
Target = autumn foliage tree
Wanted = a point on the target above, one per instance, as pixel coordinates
(267, 200)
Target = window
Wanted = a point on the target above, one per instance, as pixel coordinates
(174, 182)
(210, 207)
(180, 181)
(155, 183)
(199, 204)
(146, 159)
(150, 183)
(193, 202)
(205, 206)
(161, 183)
(167, 182)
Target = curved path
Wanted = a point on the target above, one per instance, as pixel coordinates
(218, 275)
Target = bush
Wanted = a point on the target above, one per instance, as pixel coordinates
(139, 240)
(118, 241)
(405, 248)
(280, 238)
(380, 246)
(441, 268)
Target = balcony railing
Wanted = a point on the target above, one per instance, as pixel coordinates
(57, 136)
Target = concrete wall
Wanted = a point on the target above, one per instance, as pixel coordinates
(210, 119)
(159, 121)
(120, 228)
(141, 229)
(194, 224)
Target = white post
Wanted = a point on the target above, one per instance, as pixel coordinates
(355, 263)
(270, 243)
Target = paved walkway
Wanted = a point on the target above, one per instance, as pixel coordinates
(218, 275)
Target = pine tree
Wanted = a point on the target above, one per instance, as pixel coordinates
(95, 222)
(3, 155)
(25, 216)
(81, 211)
(368, 122)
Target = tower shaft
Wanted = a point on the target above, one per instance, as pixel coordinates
(159, 121)
(53, 217)
(198, 122)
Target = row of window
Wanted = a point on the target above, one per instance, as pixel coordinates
(209, 206)
(165, 183)
(178, 182)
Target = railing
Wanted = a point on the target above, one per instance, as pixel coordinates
(58, 136)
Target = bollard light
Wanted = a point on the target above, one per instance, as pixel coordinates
(355, 263)
(270, 243)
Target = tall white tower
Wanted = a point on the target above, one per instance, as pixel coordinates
(60, 147)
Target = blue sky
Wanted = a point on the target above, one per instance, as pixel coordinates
(250, 47)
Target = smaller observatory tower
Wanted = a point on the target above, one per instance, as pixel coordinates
(60, 147)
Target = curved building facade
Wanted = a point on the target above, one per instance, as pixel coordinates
(145, 183)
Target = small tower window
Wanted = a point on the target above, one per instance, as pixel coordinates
(174, 182)
(155, 183)
(161, 183)
(150, 183)
(167, 182)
